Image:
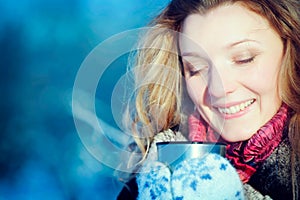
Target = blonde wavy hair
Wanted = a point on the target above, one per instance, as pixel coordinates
(158, 69)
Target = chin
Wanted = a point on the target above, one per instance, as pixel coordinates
(237, 131)
(235, 137)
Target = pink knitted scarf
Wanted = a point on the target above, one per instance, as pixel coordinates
(247, 155)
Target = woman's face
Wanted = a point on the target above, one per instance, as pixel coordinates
(233, 78)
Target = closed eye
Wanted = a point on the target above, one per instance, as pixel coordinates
(194, 73)
(194, 70)
(245, 61)
(194, 63)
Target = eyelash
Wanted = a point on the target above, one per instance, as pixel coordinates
(245, 61)
(193, 71)
(239, 62)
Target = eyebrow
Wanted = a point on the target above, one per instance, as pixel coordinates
(197, 55)
(190, 54)
(230, 45)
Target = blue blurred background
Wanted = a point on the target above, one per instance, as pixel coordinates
(43, 44)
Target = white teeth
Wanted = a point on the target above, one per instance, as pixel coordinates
(237, 108)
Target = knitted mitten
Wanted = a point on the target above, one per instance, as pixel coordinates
(154, 182)
(211, 177)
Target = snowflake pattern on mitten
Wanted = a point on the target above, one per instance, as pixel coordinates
(154, 182)
(210, 177)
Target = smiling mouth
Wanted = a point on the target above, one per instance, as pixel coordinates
(237, 108)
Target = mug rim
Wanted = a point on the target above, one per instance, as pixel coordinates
(190, 142)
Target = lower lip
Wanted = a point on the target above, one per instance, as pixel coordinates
(238, 114)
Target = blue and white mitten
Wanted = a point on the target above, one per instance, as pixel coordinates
(211, 177)
(154, 182)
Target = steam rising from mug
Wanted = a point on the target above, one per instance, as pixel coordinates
(113, 144)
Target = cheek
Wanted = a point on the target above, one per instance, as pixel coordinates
(263, 78)
(196, 89)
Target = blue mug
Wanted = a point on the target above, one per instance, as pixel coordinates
(172, 153)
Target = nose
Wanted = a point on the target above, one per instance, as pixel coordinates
(221, 81)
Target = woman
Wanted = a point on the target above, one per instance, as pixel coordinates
(241, 70)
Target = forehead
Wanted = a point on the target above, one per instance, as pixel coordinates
(223, 25)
